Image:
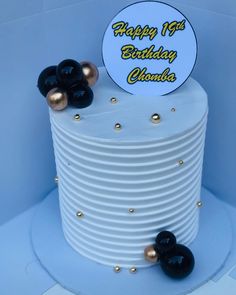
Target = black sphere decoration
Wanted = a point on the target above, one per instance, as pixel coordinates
(47, 80)
(178, 263)
(80, 96)
(165, 241)
(70, 73)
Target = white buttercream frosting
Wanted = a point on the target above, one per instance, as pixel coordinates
(104, 172)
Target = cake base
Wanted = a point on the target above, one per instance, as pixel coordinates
(85, 277)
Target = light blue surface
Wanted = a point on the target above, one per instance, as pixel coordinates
(72, 270)
(230, 263)
(27, 163)
(227, 7)
(54, 4)
(13, 9)
(21, 273)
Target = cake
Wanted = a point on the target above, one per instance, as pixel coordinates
(129, 157)
(129, 167)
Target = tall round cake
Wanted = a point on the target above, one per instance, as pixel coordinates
(129, 166)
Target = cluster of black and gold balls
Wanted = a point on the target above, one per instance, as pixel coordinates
(176, 260)
(69, 83)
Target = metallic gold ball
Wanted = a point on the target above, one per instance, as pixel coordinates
(199, 204)
(77, 117)
(131, 210)
(56, 178)
(155, 118)
(118, 126)
(80, 214)
(133, 269)
(181, 162)
(57, 99)
(90, 72)
(173, 110)
(151, 255)
(117, 268)
(113, 100)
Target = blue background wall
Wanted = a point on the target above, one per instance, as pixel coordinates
(37, 33)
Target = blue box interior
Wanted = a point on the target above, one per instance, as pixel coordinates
(38, 33)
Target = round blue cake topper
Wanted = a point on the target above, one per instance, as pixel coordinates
(149, 48)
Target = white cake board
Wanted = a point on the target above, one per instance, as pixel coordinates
(85, 277)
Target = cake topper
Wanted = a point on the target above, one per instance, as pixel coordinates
(149, 48)
(68, 84)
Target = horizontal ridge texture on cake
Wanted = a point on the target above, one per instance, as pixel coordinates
(119, 188)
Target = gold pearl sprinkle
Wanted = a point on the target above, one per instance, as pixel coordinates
(56, 179)
(150, 254)
(117, 268)
(155, 118)
(199, 204)
(118, 126)
(173, 110)
(131, 210)
(181, 162)
(113, 100)
(80, 214)
(133, 269)
(77, 117)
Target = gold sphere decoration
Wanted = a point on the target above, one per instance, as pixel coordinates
(151, 254)
(80, 214)
(117, 268)
(77, 117)
(113, 100)
(131, 210)
(133, 269)
(155, 118)
(181, 162)
(90, 72)
(199, 204)
(118, 126)
(56, 179)
(57, 99)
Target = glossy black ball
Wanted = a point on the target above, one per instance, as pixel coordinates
(80, 96)
(178, 263)
(165, 241)
(47, 80)
(69, 73)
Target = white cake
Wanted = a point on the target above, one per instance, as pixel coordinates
(119, 188)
